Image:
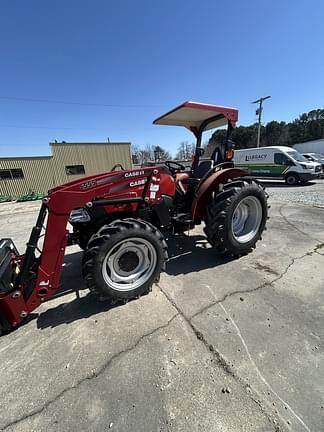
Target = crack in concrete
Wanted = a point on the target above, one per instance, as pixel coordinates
(263, 285)
(259, 374)
(221, 360)
(198, 334)
(318, 247)
(93, 375)
(293, 225)
(219, 357)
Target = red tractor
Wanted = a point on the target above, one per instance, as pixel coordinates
(121, 218)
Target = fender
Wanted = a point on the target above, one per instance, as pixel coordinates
(208, 186)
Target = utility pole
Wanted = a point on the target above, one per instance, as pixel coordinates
(259, 114)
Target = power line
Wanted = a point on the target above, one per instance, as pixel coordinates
(50, 101)
(76, 128)
(46, 127)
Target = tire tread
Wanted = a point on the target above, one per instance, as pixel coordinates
(107, 233)
(218, 213)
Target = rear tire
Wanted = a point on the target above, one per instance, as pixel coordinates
(236, 217)
(292, 179)
(124, 259)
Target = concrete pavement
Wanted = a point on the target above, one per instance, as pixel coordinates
(217, 346)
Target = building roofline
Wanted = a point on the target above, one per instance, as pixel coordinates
(58, 144)
(89, 143)
(24, 157)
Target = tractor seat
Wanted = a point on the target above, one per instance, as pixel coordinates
(203, 168)
(183, 179)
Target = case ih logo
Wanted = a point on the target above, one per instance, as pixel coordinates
(134, 173)
(138, 182)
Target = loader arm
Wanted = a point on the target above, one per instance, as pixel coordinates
(38, 278)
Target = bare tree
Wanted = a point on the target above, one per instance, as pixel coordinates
(149, 153)
(185, 150)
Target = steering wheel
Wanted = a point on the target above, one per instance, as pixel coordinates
(120, 166)
(174, 170)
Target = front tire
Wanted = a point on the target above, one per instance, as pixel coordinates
(292, 179)
(83, 236)
(124, 259)
(236, 217)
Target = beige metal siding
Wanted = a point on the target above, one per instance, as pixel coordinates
(96, 158)
(38, 175)
(43, 173)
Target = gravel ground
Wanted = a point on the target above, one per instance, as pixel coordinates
(310, 194)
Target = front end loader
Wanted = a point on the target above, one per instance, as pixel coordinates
(123, 218)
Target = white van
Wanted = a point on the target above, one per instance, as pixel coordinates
(277, 162)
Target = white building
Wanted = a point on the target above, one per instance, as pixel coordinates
(316, 146)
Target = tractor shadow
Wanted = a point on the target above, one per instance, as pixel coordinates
(187, 254)
(192, 253)
(75, 310)
(81, 307)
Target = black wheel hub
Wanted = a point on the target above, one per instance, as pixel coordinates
(128, 261)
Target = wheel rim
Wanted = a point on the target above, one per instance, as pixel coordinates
(247, 218)
(129, 264)
(291, 180)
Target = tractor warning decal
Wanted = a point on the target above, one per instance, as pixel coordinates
(154, 188)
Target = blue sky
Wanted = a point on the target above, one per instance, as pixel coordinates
(143, 57)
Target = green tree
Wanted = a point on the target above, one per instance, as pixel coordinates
(275, 133)
(245, 136)
(217, 138)
(308, 126)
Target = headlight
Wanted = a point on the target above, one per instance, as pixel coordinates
(79, 215)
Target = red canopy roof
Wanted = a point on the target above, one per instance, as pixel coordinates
(192, 114)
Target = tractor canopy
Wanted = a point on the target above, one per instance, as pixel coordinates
(195, 115)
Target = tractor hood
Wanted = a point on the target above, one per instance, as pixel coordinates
(193, 115)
